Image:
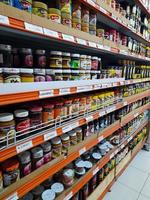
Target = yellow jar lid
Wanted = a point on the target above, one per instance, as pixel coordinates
(39, 4)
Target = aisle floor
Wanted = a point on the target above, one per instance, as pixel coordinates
(134, 183)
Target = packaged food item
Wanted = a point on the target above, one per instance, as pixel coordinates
(58, 110)
(54, 15)
(85, 191)
(26, 75)
(48, 112)
(82, 105)
(26, 58)
(73, 137)
(93, 183)
(76, 23)
(23, 5)
(85, 20)
(35, 115)
(76, 10)
(25, 163)
(58, 188)
(65, 143)
(40, 58)
(5, 55)
(89, 64)
(48, 195)
(58, 74)
(37, 157)
(56, 147)
(94, 63)
(75, 106)
(83, 62)
(7, 128)
(37, 192)
(92, 23)
(66, 74)
(68, 177)
(66, 60)
(75, 75)
(50, 75)
(47, 184)
(88, 165)
(79, 168)
(56, 60)
(66, 19)
(79, 134)
(1, 76)
(100, 32)
(11, 172)
(39, 75)
(68, 105)
(22, 120)
(40, 9)
(75, 61)
(47, 151)
(11, 75)
(15, 58)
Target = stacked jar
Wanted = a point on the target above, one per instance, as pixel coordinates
(76, 15)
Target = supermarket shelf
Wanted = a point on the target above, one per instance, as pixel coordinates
(145, 10)
(110, 19)
(30, 28)
(51, 133)
(22, 92)
(23, 186)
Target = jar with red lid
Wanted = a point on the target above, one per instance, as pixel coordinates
(58, 110)
(22, 120)
(37, 157)
(47, 151)
(26, 57)
(36, 115)
(40, 58)
(25, 163)
(48, 112)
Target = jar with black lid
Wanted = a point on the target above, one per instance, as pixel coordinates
(5, 55)
(40, 58)
(15, 58)
(26, 57)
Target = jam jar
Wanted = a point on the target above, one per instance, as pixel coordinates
(37, 157)
(66, 60)
(48, 195)
(15, 58)
(25, 163)
(26, 57)
(75, 61)
(48, 113)
(58, 188)
(11, 75)
(40, 58)
(26, 75)
(58, 110)
(36, 116)
(5, 55)
(54, 15)
(47, 151)
(65, 143)
(68, 177)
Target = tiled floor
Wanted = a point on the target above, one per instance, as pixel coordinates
(134, 183)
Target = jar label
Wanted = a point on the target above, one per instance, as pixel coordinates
(39, 163)
(27, 169)
(55, 18)
(23, 125)
(12, 79)
(41, 61)
(47, 157)
(28, 61)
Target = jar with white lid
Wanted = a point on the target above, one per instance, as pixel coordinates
(26, 75)
(56, 147)
(65, 143)
(7, 128)
(37, 157)
(83, 62)
(47, 151)
(56, 60)
(48, 195)
(75, 61)
(58, 188)
(11, 75)
(89, 63)
(39, 75)
(66, 60)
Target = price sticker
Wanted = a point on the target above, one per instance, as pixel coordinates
(100, 138)
(75, 125)
(64, 91)
(50, 135)
(46, 93)
(4, 20)
(33, 28)
(100, 46)
(95, 171)
(125, 103)
(69, 196)
(136, 115)
(67, 129)
(14, 196)
(23, 147)
(91, 3)
(112, 155)
(103, 10)
(89, 118)
(84, 88)
(81, 41)
(92, 44)
(82, 151)
(51, 33)
(69, 38)
(102, 113)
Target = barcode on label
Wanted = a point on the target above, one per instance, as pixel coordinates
(50, 135)
(13, 197)
(33, 28)
(81, 41)
(50, 33)
(46, 93)
(69, 38)
(95, 171)
(4, 20)
(68, 196)
(23, 147)
(83, 150)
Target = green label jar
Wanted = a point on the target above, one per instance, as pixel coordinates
(75, 61)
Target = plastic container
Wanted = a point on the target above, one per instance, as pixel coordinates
(54, 15)
(48, 195)
(5, 55)
(11, 75)
(56, 147)
(65, 6)
(26, 75)
(22, 120)
(11, 172)
(35, 116)
(39, 75)
(94, 63)
(76, 10)
(40, 58)
(40, 9)
(27, 5)
(47, 151)
(56, 60)
(25, 163)
(37, 157)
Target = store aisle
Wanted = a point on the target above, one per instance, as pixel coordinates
(134, 183)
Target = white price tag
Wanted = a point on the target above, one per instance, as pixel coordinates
(111, 109)
(46, 93)
(83, 150)
(75, 125)
(69, 38)
(116, 151)
(130, 138)
(115, 84)
(97, 86)
(64, 91)
(89, 118)
(121, 82)
(91, 3)
(95, 171)
(81, 41)
(23, 147)
(33, 28)
(136, 115)
(13, 197)
(69, 196)
(123, 52)
(92, 44)
(50, 135)
(100, 46)
(100, 138)
(67, 129)
(102, 113)
(107, 48)
(103, 10)
(114, 17)
(127, 82)
(122, 146)
(4, 20)
(84, 88)
(51, 33)
(125, 103)
(112, 155)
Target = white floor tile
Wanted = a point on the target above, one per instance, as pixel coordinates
(120, 192)
(143, 153)
(146, 189)
(133, 178)
(141, 197)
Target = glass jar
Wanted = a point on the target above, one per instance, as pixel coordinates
(1, 75)
(83, 62)
(56, 147)
(11, 75)
(48, 113)
(54, 15)
(68, 177)
(82, 105)
(47, 151)
(76, 23)
(11, 172)
(94, 65)
(48, 195)
(27, 5)
(35, 116)
(5, 55)
(56, 60)
(79, 134)
(89, 64)
(26, 75)
(22, 120)
(15, 58)
(66, 19)
(39, 9)
(25, 163)
(66, 75)
(58, 110)
(37, 192)
(75, 106)
(58, 74)
(50, 75)
(66, 60)
(58, 188)
(75, 75)
(37, 157)
(75, 61)
(65, 143)
(1, 181)
(39, 75)
(26, 58)
(73, 137)
(68, 104)
(40, 59)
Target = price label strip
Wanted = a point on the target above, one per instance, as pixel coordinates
(50, 33)
(23, 147)
(4, 20)
(50, 135)
(13, 197)
(46, 93)
(33, 28)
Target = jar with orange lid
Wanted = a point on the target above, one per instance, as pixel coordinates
(1, 181)
(56, 147)
(82, 105)
(11, 172)
(65, 143)
(48, 113)
(58, 110)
